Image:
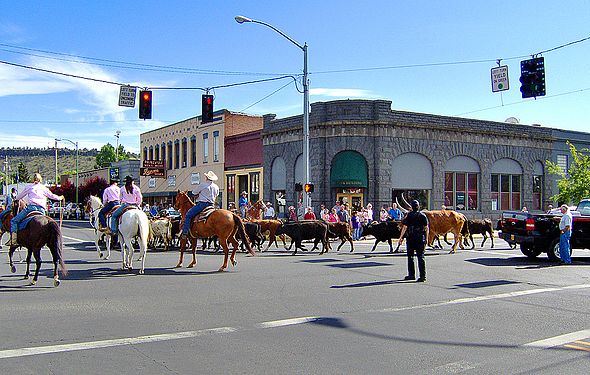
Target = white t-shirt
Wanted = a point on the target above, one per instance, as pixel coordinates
(566, 220)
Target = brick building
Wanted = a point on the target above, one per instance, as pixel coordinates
(364, 152)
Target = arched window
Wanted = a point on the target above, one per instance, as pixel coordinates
(506, 188)
(462, 175)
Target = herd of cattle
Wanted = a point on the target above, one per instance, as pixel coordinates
(164, 232)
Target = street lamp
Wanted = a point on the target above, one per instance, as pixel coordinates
(75, 144)
(306, 166)
(117, 133)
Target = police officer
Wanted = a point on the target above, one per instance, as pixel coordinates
(416, 224)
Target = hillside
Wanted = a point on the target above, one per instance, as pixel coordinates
(46, 164)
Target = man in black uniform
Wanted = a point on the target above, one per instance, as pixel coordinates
(416, 224)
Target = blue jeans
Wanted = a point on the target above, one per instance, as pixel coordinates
(115, 217)
(194, 211)
(356, 233)
(564, 247)
(21, 215)
(103, 211)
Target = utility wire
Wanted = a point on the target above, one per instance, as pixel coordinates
(266, 97)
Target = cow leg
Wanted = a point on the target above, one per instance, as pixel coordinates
(341, 243)
(390, 245)
(485, 237)
(492, 238)
(445, 239)
(375, 245)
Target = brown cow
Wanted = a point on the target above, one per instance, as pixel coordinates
(441, 222)
(270, 226)
(342, 231)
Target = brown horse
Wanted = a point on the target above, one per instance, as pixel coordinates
(255, 210)
(41, 230)
(221, 223)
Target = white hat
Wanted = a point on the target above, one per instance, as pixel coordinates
(211, 176)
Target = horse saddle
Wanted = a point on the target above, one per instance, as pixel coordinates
(204, 215)
(23, 224)
(127, 208)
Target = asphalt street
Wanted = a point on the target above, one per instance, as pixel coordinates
(482, 311)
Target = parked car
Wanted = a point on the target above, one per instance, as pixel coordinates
(55, 209)
(170, 212)
(539, 233)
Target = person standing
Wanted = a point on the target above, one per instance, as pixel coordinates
(416, 224)
(565, 228)
(206, 193)
(309, 215)
(110, 198)
(36, 195)
(130, 194)
(356, 226)
(269, 212)
(369, 213)
(395, 213)
(242, 203)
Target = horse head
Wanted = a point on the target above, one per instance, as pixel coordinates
(183, 202)
(93, 204)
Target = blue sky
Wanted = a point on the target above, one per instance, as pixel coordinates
(424, 56)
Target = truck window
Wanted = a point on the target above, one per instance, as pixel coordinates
(584, 207)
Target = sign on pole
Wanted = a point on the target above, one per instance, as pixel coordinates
(500, 79)
(127, 96)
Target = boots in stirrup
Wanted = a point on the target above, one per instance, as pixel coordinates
(13, 240)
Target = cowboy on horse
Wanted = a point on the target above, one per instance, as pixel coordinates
(110, 199)
(207, 192)
(36, 195)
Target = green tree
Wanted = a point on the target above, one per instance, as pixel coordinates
(575, 184)
(107, 155)
(23, 173)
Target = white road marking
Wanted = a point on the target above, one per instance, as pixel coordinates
(482, 298)
(559, 340)
(287, 322)
(74, 239)
(23, 352)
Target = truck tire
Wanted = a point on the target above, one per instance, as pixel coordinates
(553, 251)
(530, 251)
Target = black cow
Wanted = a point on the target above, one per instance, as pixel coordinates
(254, 235)
(483, 227)
(342, 231)
(382, 232)
(306, 230)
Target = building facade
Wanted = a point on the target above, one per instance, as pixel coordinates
(362, 151)
(188, 149)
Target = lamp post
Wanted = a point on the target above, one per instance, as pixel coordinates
(306, 166)
(75, 144)
(117, 133)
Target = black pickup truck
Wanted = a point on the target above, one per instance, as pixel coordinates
(539, 233)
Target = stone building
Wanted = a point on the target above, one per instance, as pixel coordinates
(362, 151)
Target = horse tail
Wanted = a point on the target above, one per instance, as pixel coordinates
(144, 229)
(58, 245)
(242, 232)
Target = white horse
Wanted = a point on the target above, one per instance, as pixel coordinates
(93, 207)
(134, 223)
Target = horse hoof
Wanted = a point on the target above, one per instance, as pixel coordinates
(452, 252)
(106, 258)
(100, 255)
(33, 282)
(141, 272)
(190, 265)
(13, 269)
(233, 263)
(179, 265)
(56, 283)
(221, 269)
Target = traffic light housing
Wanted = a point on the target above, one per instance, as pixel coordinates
(298, 186)
(145, 104)
(308, 188)
(532, 77)
(206, 108)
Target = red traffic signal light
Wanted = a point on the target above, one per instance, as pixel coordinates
(145, 105)
(308, 188)
(206, 108)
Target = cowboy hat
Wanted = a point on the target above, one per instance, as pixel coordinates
(211, 176)
(128, 179)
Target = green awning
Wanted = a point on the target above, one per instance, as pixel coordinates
(349, 169)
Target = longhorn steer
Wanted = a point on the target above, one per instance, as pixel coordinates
(441, 222)
(384, 231)
(483, 227)
(161, 230)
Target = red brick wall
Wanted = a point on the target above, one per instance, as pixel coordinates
(243, 150)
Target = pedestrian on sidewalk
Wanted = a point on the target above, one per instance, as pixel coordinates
(565, 227)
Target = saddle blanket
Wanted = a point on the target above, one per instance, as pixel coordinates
(23, 224)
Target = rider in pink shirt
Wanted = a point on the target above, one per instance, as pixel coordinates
(130, 195)
(36, 196)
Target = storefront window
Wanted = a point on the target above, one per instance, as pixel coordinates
(506, 193)
(461, 190)
(254, 187)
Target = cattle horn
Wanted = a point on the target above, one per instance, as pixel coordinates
(401, 208)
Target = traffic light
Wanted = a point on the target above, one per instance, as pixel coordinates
(532, 77)
(206, 108)
(145, 105)
(298, 186)
(308, 188)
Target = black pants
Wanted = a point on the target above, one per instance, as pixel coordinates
(418, 249)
